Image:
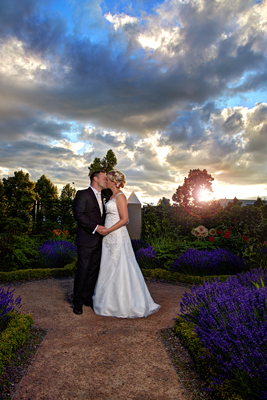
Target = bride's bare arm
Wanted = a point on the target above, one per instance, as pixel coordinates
(123, 213)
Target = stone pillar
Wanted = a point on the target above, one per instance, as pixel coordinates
(135, 216)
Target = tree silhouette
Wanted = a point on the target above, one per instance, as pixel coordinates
(188, 195)
(107, 163)
(47, 204)
(20, 195)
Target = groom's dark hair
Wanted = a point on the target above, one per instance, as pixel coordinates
(95, 173)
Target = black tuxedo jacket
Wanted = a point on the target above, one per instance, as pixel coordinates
(88, 216)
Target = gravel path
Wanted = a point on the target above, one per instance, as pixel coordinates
(90, 357)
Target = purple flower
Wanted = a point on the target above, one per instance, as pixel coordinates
(7, 304)
(139, 244)
(231, 322)
(205, 262)
(147, 258)
(56, 253)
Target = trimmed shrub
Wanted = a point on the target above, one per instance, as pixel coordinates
(26, 274)
(14, 336)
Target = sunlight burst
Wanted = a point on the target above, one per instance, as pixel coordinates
(205, 195)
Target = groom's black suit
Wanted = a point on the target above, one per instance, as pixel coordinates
(88, 216)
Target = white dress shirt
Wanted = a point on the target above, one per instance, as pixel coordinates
(95, 192)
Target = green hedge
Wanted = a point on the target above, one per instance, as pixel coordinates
(185, 331)
(14, 336)
(26, 274)
(69, 270)
(177, 277)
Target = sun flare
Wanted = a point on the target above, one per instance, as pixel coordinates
(205, 195)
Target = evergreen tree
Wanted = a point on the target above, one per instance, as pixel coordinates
(107, 163)
(67, 192)
(47, 205)
(20, 195)
(66, 218)
(3, 206)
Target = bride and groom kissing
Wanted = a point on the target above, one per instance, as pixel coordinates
(108, 278)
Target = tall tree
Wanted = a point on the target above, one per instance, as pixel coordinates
(67, 192)
(47, 205)
(46, 189)
(164, 202)
(66, 217)
(3, 206)
(189, 194)
(107, 163)
(20, 194)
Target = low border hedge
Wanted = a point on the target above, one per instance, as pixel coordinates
(40, 273)
(14, 336)
(177, 277)
(69, 270)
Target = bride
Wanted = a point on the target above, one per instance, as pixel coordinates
(121, 290)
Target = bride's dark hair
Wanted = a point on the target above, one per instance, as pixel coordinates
(117, 177)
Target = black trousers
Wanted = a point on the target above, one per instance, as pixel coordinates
(86, 275)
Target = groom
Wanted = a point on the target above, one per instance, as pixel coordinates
(89, 213)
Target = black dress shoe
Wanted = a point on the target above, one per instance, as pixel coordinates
(89, 304)
(77, 310)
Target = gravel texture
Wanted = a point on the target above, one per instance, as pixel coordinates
(91, 357)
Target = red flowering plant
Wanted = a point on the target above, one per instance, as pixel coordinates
(60, 234)
(227, 234)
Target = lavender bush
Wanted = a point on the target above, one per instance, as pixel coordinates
(7, 304)
(56, 254)
(231, 322)
(139, 244)
(147, 258)
(205, 262)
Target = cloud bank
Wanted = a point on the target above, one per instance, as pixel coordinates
(168, 88)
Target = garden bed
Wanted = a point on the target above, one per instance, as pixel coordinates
(20, 362)
(13, 337)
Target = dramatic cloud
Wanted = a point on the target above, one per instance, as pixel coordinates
(169, 86)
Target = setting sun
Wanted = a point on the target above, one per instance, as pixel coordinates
(205, 195)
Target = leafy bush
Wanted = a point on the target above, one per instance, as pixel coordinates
(14, 336)
(231, 322)
(147, 258)
(167, 249)
(204, 262)
(256, 255)
(17, 252)
(7, 304)
(56, 254)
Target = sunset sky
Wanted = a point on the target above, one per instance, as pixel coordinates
(169, 86)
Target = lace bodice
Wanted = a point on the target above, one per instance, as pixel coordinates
(115, 239)
(112, 213)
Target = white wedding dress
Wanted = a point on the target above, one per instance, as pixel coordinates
(121, 290)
